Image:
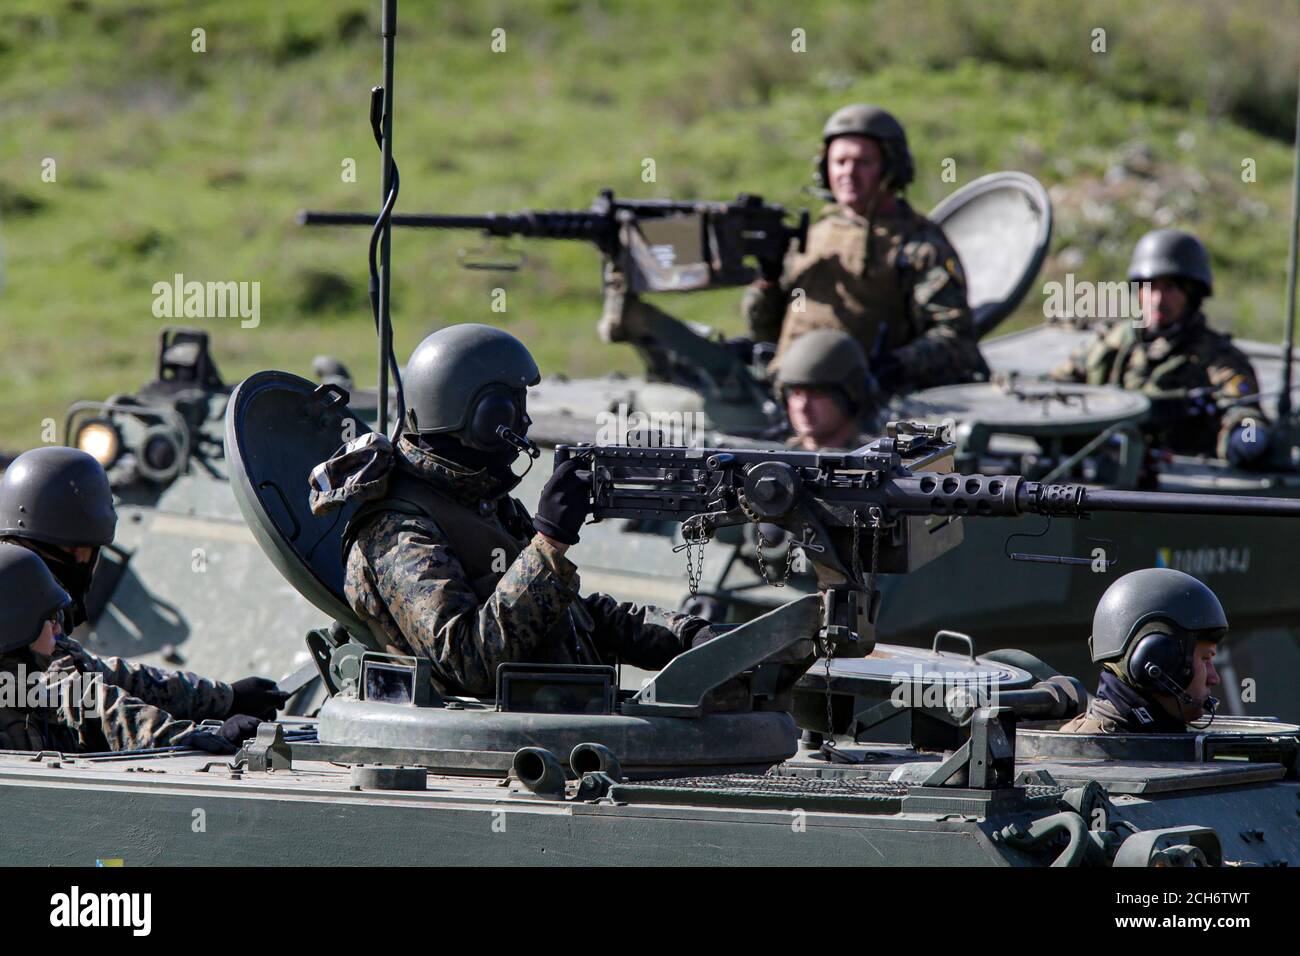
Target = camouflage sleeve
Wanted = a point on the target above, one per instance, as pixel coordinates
(946, 352)
(1231, 375)
(181, 693)
(643, 636)
(764, 310)
(409, 567)
(104, 716)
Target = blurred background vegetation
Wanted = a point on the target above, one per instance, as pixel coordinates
(174, 161)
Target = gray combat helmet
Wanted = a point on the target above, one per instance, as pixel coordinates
(825, 358)
(450, 371)
(1151, 594)
(59, 496)
(1171, 252)
(873, 122)
(29, 595)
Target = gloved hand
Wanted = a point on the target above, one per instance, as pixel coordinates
(228, 738)
(257, 696)
(565, 501)
(1247, 444)
(771, 269)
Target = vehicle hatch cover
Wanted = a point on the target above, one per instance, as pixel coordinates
(1000, 225)
(278, 428)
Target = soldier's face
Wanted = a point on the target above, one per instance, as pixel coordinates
(1204, 675)
(854, 166)
(817, 417)
(1163, 302)
(1204, 679)
(45, 643)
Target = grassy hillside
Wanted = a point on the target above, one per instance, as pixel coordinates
(169, 160)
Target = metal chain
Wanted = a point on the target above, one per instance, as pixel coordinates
(761, 542)
(694, 547)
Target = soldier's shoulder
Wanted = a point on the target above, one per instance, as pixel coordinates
(379, 532)
(917, 227)
(925, 243)
(1218, 341)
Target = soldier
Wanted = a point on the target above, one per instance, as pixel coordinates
(1155, 633)
(443, 563)
(55, 696)
(1194, 376)
(873, 267)
(827, 392)
(56, 502)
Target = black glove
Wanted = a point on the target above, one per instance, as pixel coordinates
(257, 696)
(565, 502)
(771, 269)
(1247, 445)
(228, 738)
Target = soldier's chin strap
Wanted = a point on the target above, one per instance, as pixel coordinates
(1209, 703)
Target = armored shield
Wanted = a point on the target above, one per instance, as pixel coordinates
(278, 428)
(1000, 225)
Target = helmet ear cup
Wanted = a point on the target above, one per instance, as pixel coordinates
(496, 407)
(1167, 652)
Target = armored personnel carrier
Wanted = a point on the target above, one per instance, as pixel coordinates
(703, 764)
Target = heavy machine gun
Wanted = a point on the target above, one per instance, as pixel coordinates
(889, 507)
(661, 245)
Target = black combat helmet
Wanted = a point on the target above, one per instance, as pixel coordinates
(1155, 615)
(57, 496)
(1171, 253)
(466, 381)
(29, 596)
(825, 358)
(873, 122)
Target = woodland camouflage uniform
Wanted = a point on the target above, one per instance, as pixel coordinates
(1164, 368)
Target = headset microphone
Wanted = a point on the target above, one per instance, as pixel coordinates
(519, 442)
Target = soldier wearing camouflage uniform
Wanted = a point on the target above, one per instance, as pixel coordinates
(444, 564)
(1155, 633)
(828, 392)
(1193, 375)
(56, 502)
(872, 267)
(54, 695)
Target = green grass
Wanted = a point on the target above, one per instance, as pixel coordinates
(173, 161)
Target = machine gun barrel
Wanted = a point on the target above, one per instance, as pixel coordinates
(1045, 497)
(1008, 495)
(564, 224)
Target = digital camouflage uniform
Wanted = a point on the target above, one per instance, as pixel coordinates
(1163, 368)
(407, 583)
(898, 271)
(139, 706)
